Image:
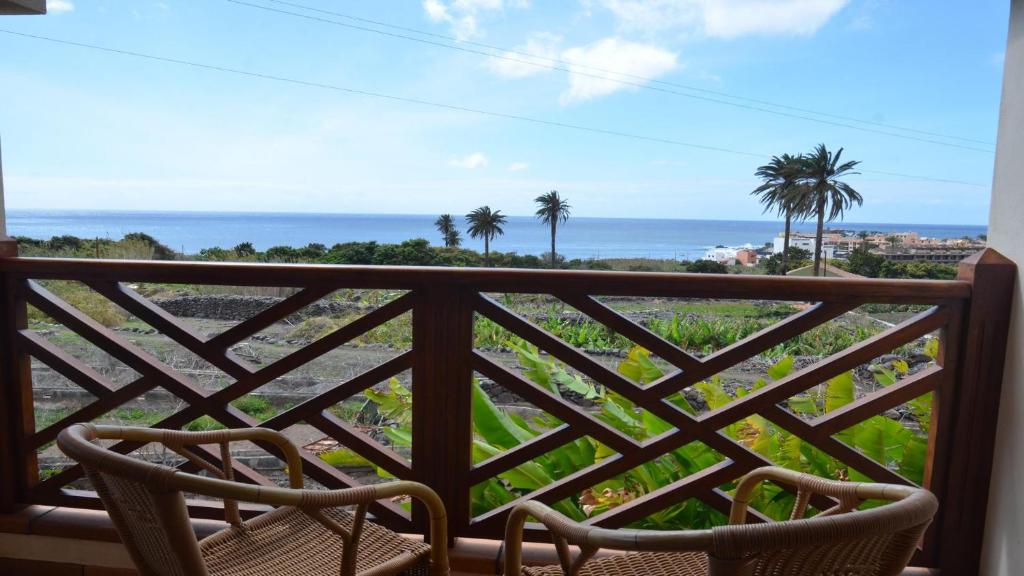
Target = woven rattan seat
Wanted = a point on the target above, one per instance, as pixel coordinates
(842, 540)
(309, 533)
(312, 550)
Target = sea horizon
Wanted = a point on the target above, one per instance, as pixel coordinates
(580, 237)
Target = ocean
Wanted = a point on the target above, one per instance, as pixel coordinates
(581, 237)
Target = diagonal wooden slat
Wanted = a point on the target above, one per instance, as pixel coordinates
(545, 400)
(341, 392)
(241, 472)
(522, 453)
(635, 332)
(834, 448)
(679, 491)
(165, 322)
(179, 385)
(556, 347)
(750, 346)
(615, 465)
(268, 317)
(315, 349)
(688, 428)
(54, 483)
(361, 444)
(106, 340)
(93, 410)
(65, 364)
(879, 401)
(832, 366)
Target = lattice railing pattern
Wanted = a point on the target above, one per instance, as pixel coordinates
(442, 360)
(705, 428)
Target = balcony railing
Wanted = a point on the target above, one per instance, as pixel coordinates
(968, 316)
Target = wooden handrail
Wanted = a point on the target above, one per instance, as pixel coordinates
(597, 282)
(969, 313)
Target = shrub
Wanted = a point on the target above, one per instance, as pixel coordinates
(90, 303)
(313, 328)
(798, 258)
(256, 406)
(204, 423)
(707, 267)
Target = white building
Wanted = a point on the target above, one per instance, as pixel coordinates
(804, 242)
(726, 254)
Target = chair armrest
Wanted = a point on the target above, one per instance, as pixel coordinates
(849, 494)
(590, 539)
(185, 438)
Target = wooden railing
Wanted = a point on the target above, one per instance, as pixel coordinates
(970, 316)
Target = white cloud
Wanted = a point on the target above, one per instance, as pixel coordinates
(518, 166)
(59, 6)
(611, 54)
(723, 18)
(464, 15)
(540, 48)
(471, 162)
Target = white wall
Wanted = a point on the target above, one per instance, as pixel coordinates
(3, 214)
(1004, 534)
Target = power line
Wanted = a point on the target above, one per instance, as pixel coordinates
(642, 81)
(421, 102)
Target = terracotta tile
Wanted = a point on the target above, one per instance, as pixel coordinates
(76, 523)
(18, 522)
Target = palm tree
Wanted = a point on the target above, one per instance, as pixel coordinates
(445, 224)
(483, 223)
(893, 241)
(782, 191)
(552, 210)
(826, 192)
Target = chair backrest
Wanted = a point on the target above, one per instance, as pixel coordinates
(149, 513)
(841, 540)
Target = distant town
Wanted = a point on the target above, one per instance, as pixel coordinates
(839, 244)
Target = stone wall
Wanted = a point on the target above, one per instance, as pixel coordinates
(238, 308)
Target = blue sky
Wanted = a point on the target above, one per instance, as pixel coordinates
(84, 129)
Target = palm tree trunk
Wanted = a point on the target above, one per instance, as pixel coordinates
(554, 226)
(817, 238)
(487, 251)
(785, 242)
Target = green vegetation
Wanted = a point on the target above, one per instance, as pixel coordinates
(793, 258)
(707, 267)
(134, 246)
(898, 445)
(204, 423)
(866, 263)
(827, 194)
(419, 252)
(256, 406)
(804, 186)
(486, 224)
(85, 299)
(137, 416)
(782, 190)
(315, 328)
(551, 210)
(445, 224)
(701, 327)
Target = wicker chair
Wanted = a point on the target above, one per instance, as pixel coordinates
(874, 542)
(307, 533)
